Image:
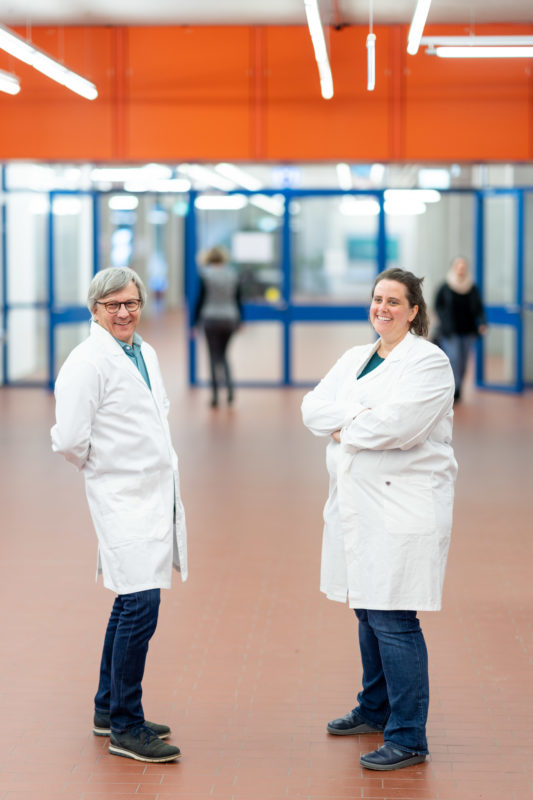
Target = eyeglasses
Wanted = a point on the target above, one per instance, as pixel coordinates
(113, 307)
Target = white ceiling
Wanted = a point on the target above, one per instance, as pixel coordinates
(254, 12)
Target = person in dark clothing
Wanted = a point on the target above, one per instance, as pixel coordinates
(219, 311)
(461, 318)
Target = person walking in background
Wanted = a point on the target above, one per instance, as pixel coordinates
(219, 311)
(111, 423)
(461, 318)
(386, 409)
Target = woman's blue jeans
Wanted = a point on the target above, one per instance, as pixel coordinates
(131, 625)
(395, 695)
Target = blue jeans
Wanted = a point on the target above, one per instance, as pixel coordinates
(395, 695)
(131, 625)
(457, 348)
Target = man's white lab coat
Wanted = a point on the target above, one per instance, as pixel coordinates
(115, 430)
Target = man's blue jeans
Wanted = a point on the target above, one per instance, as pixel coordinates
(395, 693)
(131, 625)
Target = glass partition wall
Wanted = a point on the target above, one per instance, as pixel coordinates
(307, 255)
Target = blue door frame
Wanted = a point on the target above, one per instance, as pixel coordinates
(509, 314)
(286, 312)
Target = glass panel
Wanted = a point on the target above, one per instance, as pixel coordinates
(73, 248)
(27, 247)
(27, 345)
(426, 234)
(500, 249)
(334, 241)
(499, 345)
(528, 346)
(250, 231)
(67, 337)
(258, 337)
(528, 247)
(316, 346)
(146, 233)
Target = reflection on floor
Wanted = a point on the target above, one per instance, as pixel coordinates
(249, 660)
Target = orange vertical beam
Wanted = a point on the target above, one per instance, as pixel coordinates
(119, 92)
(258, 92)
(398, 68)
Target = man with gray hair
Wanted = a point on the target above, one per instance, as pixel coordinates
(111, 423)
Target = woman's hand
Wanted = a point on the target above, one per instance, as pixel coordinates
(336, 435)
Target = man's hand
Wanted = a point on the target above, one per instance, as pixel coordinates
(337, 436)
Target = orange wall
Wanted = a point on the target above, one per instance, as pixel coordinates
(252, 93)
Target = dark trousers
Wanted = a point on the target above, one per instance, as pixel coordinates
(395, 693)
(218, 335)
(131, 625)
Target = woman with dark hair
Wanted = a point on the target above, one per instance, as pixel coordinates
(386, 409)
(219, 310)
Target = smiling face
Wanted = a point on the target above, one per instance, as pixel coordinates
(390, 312)
(121, 325)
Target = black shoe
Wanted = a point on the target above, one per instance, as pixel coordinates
(388, 757)
(142, 744)
(351, 723)
(102, 726)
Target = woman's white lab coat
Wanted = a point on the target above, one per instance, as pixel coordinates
(388, 516)
(115, 430)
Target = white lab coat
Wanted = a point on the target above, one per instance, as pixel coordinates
(388, 516)
(115, 430)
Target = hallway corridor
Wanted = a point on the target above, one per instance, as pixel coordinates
(250, 661)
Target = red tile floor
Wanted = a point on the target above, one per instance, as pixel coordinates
(249, 660)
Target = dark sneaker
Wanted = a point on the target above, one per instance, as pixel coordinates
(142, 744)
(388, 757)
(102, 726)
(351, 723)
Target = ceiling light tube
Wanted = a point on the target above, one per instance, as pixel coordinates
(417, 26)
(316, 31)
(9, 83)
(371, 62)
(239, 176)
(19, 48)
(469, 51)
(474, 41)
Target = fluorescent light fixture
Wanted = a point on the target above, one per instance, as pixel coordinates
(123, 202)
(206, 177)
(316, 30)
(344, 176)
(66, 206)
(24, 51)
(143, 176)
(170, 186)
(484, 52)
(417, 26)
(479, 46)
(9, 84)
(220, 202)
(413, 207)
(371, 62)
(359, 207)
(434, 178)
(399, 196)
(239, 176)
(272, 204)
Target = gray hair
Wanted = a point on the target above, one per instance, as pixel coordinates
(113, 279)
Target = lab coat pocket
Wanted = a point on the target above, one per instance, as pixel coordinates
(133, 511)
(408, 505)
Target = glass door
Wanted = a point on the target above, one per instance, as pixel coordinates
(500, 269)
